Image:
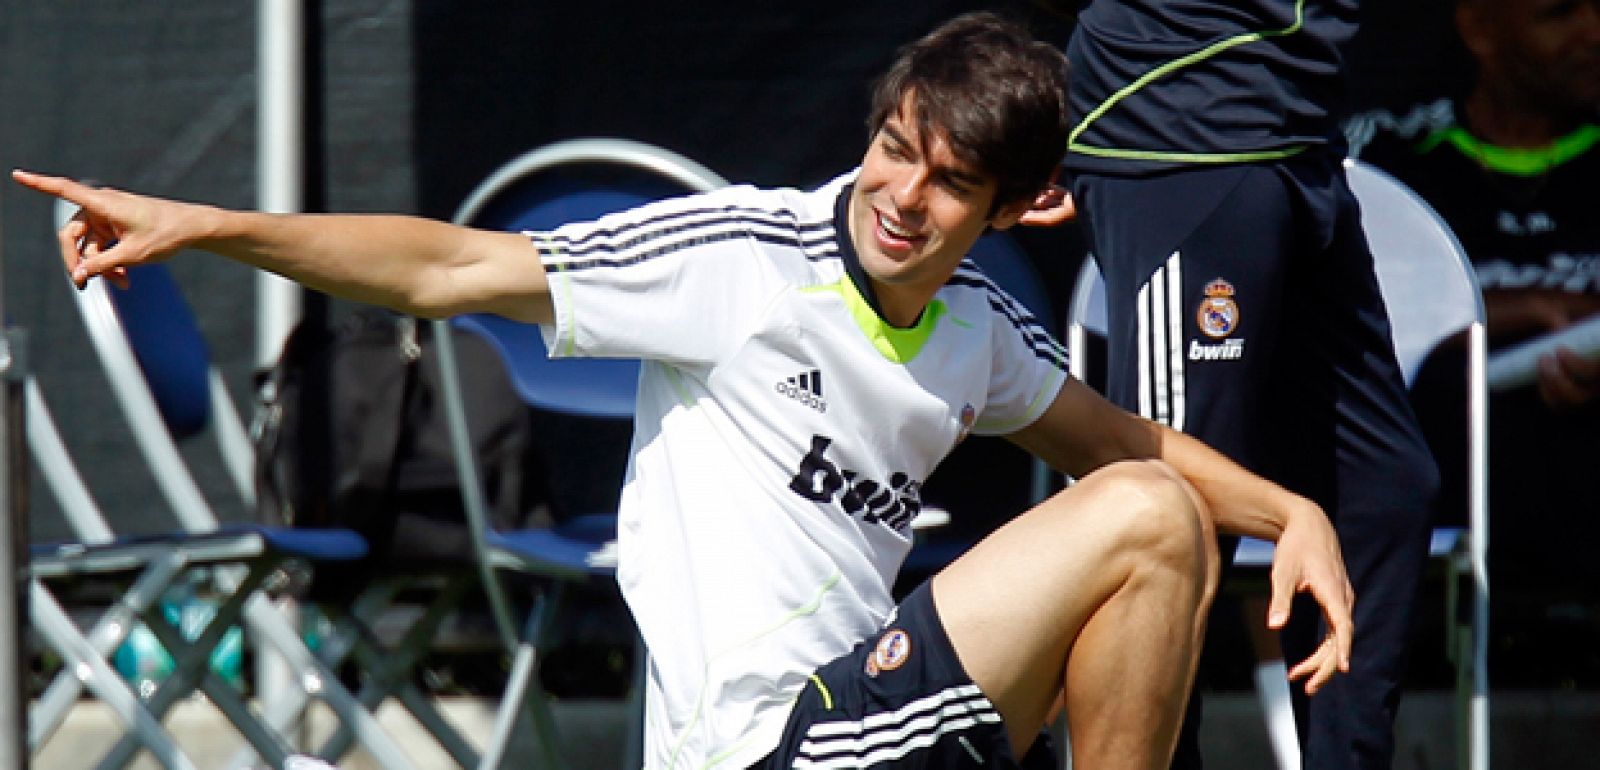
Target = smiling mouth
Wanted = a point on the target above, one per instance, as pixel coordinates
(894, 232)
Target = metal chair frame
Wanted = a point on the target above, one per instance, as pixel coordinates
(238, 570)
(550, 553)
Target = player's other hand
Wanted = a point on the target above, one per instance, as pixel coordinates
(1308, 560)
(1054, 206)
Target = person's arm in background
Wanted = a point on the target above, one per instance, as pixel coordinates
(1517, 314)
(1566, 379)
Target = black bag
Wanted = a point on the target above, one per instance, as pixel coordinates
(350, 432)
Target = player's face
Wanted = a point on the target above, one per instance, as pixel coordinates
(915, 212)
(1547, 50)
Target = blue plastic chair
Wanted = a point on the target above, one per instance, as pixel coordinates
(160, 375)
(568, 181)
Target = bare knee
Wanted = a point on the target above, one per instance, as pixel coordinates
(1158, 516)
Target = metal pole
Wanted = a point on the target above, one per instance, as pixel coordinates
(13, 550)
(280, 188)
(280, 159)
(1478, 512)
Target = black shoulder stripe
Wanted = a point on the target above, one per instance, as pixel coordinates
(1047, 349)
(627, 238)
(663, 223)
(1043, 344)
(1003, 303)
(1053, 353)
(661, 249)
(619, 259)
(621, 243)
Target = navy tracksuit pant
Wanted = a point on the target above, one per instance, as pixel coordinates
(1243, 309)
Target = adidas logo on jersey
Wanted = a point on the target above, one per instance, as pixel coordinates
(806, 388)
(1227, 350)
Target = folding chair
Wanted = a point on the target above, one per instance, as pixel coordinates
(1432, 294)
(566, 181)
(153, 357)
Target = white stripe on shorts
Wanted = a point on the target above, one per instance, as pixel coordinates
(894, 734)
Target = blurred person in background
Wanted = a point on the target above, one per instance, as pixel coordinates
(1512, 167)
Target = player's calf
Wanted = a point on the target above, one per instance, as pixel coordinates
(1132, 663)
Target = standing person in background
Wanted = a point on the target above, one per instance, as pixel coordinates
(1243, 307)
(1512, 168)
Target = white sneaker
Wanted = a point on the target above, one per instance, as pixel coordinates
(303, 762)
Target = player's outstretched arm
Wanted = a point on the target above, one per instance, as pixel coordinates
(1081, 431)
(416, 265)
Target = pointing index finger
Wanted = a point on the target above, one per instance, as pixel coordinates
(58, 186)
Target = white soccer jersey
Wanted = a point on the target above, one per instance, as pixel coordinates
(782, 436)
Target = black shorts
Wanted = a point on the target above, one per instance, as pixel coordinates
(899, 699)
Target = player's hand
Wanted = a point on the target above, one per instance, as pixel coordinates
(1053, 206)
(1567, 379)
(1307, 559)
(113, 229)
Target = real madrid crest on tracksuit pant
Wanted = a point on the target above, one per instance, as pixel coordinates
(1244, 310)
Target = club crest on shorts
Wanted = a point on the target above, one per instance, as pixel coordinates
(1218, 315)
(892, 652)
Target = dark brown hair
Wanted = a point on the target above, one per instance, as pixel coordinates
(994, 92)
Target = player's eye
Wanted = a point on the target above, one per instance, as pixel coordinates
(955, 186)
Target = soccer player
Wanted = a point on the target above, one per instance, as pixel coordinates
(809, 359)
(1242, 302)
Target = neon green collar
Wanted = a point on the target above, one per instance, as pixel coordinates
(897, 345)
(1517, 161)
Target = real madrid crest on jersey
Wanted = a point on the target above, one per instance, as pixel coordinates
(892, 652)
(1218, 315)
(969, 415)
